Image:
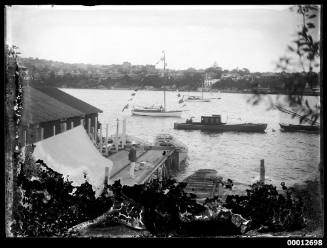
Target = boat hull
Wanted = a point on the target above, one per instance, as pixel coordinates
(198, 100)
(247, 127)
(195, 99)
(300, 128)
(176, 113)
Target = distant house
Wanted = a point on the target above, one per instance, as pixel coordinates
(210, 78)
(208, 82)
(60, 73)
(50, 111)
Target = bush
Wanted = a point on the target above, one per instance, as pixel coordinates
(50, 204)
(268, 209)
(162, 203)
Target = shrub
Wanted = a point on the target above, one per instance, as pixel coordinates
(268, 209)
(50, 204)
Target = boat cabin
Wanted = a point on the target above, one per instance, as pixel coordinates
(211, 120)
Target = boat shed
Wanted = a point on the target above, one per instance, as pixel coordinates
(90, 118)
(45, 116)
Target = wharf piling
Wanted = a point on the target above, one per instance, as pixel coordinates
(106, 141)
(124, 134)
(117, 136)
(101, 145)
(262, 171)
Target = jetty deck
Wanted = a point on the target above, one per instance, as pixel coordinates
(151, 163)
(205, 183)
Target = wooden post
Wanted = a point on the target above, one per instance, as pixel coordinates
(89, 126)
(72, 125)
(107, 139)
(82, 122)
(101, 139)
(164, 99)
(96, 129)
(124, 133)
(42, 133)
(117, 137)
(54, 130)
(219, 185)
(262, 170)
(106, 176)
(91, 135)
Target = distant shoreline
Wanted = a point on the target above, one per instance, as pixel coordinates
(211, 91)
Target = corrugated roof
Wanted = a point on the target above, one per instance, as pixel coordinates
(39, 107)
(69, 100)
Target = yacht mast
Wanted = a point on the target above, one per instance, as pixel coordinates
(203, 84)
(164, 73)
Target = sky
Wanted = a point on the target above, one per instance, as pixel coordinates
(252, 37)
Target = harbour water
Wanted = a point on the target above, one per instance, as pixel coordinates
(289, 157)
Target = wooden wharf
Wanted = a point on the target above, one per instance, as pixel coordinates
(204, 184)
(152, 162)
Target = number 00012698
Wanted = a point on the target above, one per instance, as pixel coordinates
(304, 242)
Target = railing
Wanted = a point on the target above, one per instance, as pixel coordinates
(160, 163)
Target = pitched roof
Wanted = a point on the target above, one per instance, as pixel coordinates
(69, 100)
(39, 107)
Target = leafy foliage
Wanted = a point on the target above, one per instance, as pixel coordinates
(268, 209)
(162, 202)
(303, 57)
(50, 204)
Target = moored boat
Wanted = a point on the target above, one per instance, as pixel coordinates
(213, 123)
(195, 99)
(300, 128)
(156, 112)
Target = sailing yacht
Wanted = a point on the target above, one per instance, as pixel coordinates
(197, 98)
(157, 111)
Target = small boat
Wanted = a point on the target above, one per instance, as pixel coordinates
(300, 128)
(167, 140)
(213, 123)
(218, 97)
(195, 99)
(157, 111)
